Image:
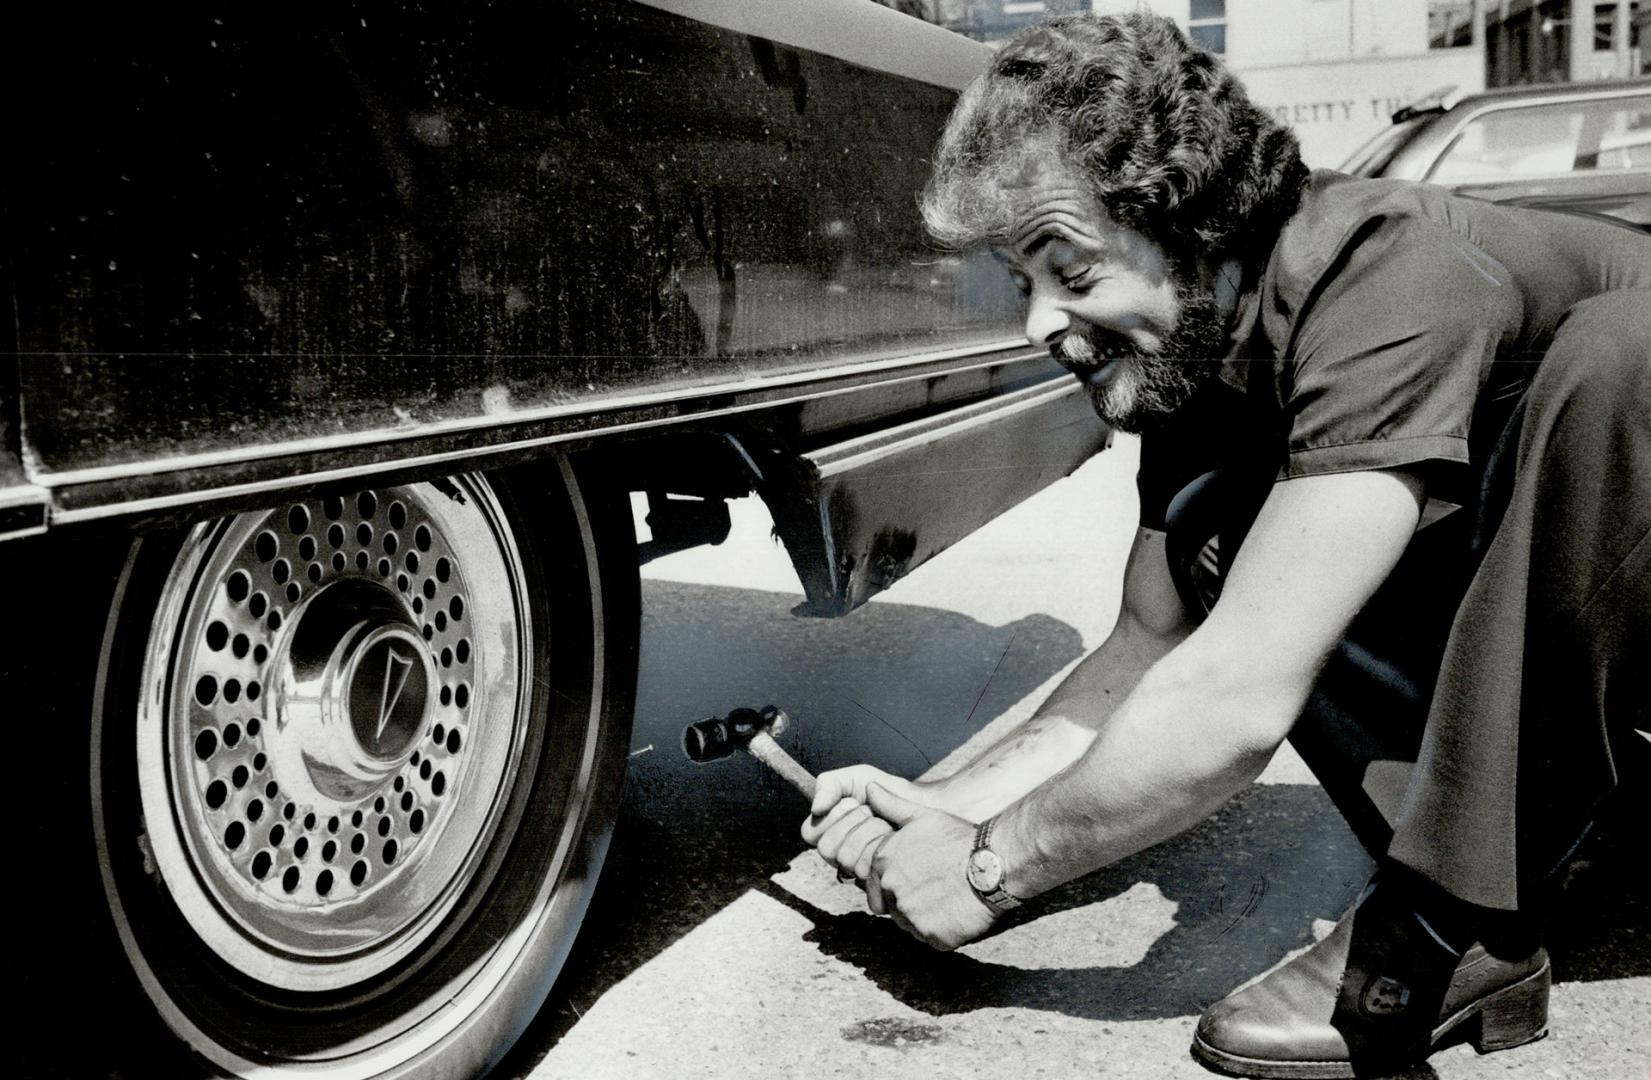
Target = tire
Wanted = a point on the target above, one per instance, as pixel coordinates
(355, 761)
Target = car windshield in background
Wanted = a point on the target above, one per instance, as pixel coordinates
(1534, 141)
(1582, 147)
(1374, 156)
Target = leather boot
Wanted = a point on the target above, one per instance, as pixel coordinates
(1379, 994)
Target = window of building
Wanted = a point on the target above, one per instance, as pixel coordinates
(1449, 23)
(1605, 19)
(1208, 25)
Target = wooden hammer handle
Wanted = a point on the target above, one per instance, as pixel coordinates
(770, 753)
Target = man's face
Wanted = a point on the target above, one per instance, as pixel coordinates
(1111, 308)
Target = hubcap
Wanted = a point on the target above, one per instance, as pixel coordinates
(352, 693)
(333, 721)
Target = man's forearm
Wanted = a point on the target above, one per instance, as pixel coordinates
(1184, 743)
(1060, 731)
(1205, 719)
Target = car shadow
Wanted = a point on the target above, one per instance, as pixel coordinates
(896, 684)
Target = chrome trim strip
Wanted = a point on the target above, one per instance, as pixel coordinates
(165, 502)
(858, 31)
(858, 453)
(755, 384)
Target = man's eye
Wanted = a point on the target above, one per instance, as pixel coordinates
(1022, 285)
(1079, 280)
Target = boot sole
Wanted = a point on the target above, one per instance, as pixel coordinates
(1512, 1016)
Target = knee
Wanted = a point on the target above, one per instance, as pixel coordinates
(1600, 359)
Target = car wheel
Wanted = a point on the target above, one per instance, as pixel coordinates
(355, 761)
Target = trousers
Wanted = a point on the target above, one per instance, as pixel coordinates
(1497, 688)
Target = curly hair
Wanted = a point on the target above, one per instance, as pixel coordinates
(1162, 134)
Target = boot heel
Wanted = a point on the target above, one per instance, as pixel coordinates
(1516, 1015)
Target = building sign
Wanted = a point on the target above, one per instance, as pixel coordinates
(1336, 106)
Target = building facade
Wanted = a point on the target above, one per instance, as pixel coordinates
(1525, 41)
(1267, 33)
(1336, 70)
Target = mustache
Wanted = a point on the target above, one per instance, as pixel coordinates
(1087, 347)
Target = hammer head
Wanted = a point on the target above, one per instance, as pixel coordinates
(716, 737)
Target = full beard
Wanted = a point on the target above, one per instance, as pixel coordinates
(1148, 386)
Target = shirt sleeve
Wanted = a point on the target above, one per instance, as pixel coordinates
(1390, 350)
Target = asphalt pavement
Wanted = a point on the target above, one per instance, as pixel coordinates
(718, 946)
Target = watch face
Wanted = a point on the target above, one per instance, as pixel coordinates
(985, 870)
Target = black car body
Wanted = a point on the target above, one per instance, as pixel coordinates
(339, 338)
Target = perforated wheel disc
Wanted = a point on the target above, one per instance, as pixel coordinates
(333, 718)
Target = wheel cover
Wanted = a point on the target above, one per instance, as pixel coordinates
(334, 712)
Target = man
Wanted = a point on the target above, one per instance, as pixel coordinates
(1310, 359)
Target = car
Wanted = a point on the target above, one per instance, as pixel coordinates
(1570, 146)
(340, 340)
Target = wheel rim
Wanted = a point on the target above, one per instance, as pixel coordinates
(334, 713)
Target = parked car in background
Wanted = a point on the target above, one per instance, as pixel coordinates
(339, 338)
(1571, 146)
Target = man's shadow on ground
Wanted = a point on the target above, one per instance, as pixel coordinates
(1249, 885)
(897, 688)
(1246, 885)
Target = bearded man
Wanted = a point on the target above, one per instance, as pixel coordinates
(1311, 361)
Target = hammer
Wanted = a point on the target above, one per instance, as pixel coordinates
(716, 737)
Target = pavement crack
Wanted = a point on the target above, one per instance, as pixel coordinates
(995, 668)
(896, 730)
(1258, 890)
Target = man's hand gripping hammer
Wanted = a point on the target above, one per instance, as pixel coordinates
(717, 737)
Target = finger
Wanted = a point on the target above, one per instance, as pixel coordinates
(848, 783)
(862, 865)
(832, 841)
(829, 788)
(838, 845)
(835, 814)
(876, 902)
(816, 826)
(891, 807)
(855, 839)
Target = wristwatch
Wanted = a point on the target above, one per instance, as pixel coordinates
(985, 871)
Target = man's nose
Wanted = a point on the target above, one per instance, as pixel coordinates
(1046, 322)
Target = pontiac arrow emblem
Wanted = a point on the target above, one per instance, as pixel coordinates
(396, 670)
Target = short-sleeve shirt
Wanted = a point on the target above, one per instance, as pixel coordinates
(1393, 325)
